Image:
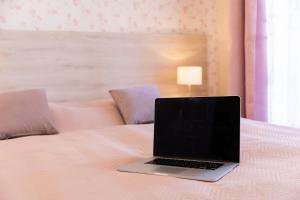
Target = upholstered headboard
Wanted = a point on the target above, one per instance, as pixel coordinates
(81, 66)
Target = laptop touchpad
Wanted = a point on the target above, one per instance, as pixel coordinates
(168, 170)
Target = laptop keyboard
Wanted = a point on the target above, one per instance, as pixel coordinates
(185, 163)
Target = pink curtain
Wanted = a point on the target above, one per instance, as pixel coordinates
(256, 82)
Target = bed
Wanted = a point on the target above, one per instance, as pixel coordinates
(81, 161)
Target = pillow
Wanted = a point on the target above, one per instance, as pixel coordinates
(136, 104)
(72, 116)
(25, 113)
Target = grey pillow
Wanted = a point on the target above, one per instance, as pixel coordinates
(136, 104)
(25, 113)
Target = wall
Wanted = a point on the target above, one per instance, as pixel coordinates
(157, 16)
(230, 56)
(223, 40)
(237, 61)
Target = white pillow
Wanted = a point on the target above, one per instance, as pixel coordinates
(85, 115)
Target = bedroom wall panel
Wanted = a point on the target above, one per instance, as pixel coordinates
(81, 65)
(130, 16)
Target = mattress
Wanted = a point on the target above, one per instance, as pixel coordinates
(82, 164)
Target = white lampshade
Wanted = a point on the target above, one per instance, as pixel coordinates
(189, 75)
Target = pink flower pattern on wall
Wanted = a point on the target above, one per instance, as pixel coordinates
(154, 16)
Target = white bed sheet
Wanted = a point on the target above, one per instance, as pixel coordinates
(82, 165)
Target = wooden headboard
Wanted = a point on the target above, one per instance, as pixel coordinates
(82, 66)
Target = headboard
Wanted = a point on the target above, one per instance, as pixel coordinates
(82, 66)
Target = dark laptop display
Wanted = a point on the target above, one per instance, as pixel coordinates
(204, 128)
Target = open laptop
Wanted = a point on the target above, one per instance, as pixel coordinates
(194, 138)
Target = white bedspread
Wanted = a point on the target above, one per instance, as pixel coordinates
(82, 165)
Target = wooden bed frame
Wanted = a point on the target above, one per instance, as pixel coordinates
(83, 66)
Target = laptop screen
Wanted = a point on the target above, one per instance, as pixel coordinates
(206, 128)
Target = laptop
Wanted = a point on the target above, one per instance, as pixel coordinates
(194, 138)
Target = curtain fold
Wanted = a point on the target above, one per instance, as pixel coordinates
(256, 73)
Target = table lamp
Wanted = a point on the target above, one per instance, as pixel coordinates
(189, 75)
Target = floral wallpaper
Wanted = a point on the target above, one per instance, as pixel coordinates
(154, 16)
